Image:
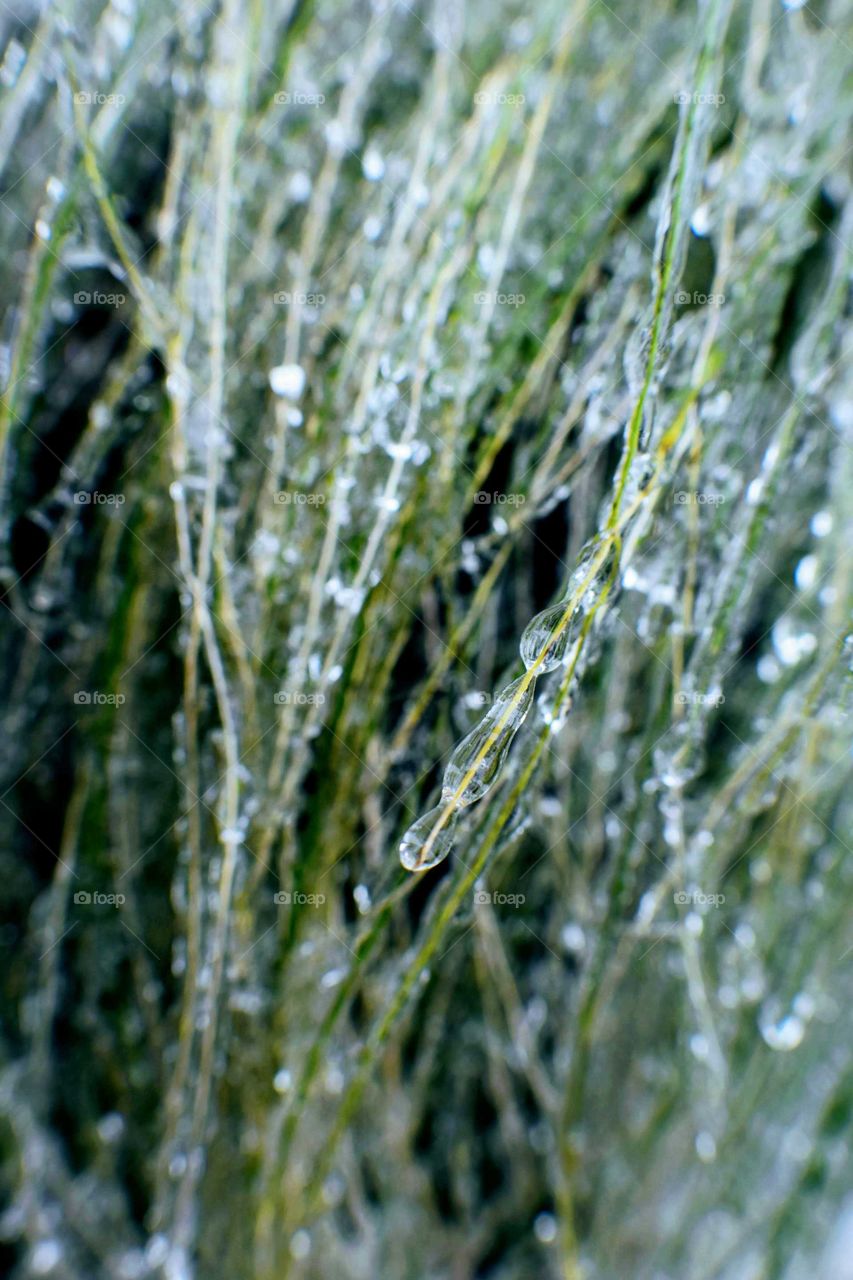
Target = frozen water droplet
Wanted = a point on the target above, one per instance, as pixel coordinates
(333, 978)
(300, 1244)
(362, 897)
(282, 1080)
(699, 1047)
(784, 1035)
(537, 632)
(502, 718)
(545, 1228)
(45, 1257)
(372, 165)
(706, 1147)
(700, 223)
(573, 938)
(288, 380)
(422, 846)
(805, 574)
(299, 187)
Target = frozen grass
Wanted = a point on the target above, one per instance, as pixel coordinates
(341, 341)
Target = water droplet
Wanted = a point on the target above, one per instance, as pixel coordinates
(422, 847)
(700, 223)
(299, 187)
(784, 1035)
(300, 1244)
(535, 637)
(502, 718)
(373, 165)
(333, 978)
(805, 574)
(45, 1257)
(545, 1228)
(282, 1080)
(362, 897)
(386, 502)
(288, 380)
(573, 938)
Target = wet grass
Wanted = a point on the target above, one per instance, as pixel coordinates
(340, 344)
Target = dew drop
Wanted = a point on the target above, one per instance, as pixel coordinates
(300, 1245)
(537, 632)
(501, 713)
(282, 1080)
(287, 381)
(545, 1228)
(785, 1035)
(420, 849)
(373, 165)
